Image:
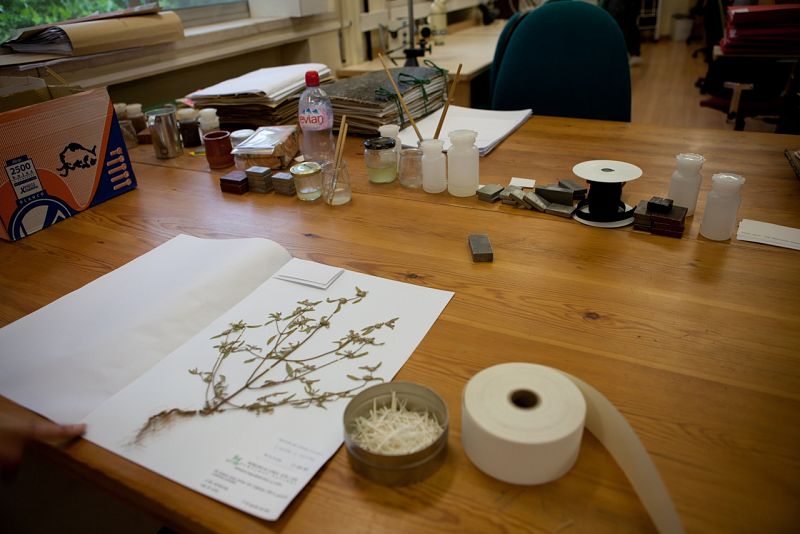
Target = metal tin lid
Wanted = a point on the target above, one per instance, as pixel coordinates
(305, 169)
(379, 143)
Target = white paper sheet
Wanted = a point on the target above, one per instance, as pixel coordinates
(525, 183)
(769, 234)
(65, 359)
(259, 462)
(309, 273)
(274, 83)
(492, 126)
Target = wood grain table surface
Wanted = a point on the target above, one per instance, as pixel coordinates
(696, 342)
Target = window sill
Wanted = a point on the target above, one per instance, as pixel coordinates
(201, 44)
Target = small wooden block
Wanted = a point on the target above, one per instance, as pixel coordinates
(659, 205)
(257, 171)
(283, 183)
(235, 178)
(480, 248)
(230, 187)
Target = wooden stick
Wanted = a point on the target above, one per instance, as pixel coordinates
(339, 141)
(400, 97)
(337, 158)
(450, 97)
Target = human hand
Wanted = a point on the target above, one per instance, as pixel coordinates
(16, 431)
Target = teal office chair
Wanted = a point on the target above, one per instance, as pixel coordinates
(565, 59)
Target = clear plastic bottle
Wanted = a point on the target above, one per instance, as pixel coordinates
(434, 166)
(437, 20)
(315, 115)
(722, 205)
(684, 186)
(462, 164)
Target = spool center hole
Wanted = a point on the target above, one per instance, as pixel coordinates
(524, 398)
(606, 169)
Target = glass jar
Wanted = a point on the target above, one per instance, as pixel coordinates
(410, 168)
(336, 184)
(307, 180)
(380, 159)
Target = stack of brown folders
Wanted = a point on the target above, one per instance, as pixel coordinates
(369, 100)
(264, 97)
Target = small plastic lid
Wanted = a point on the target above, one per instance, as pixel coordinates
(240, 136)
(463, 136)
(133, 110)
(208, 113)
(690, 162)
(389, 130)
(726, 183)
(435, 145)
(312, 78)
(186, 113)
(379, 143)
(305, 169)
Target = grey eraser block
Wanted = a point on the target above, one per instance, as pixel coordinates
(490, 192)
(562, 210)
(506, 192)
(535, 201)
(576, 188)
(553, 193)
(480, 248)
(519, 199)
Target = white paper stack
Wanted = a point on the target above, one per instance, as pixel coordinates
(263, 97)
(492, 126)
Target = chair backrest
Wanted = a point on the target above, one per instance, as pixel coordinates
(566, 59)
(502, 44)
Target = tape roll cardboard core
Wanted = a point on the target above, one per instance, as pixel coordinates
(524, 398)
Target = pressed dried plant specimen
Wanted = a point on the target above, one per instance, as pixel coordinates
(279, 363)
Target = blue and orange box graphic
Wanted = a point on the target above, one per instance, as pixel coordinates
(59, 158)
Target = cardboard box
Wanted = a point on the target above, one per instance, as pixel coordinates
(59, 157)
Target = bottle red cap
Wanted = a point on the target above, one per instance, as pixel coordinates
(312, 78)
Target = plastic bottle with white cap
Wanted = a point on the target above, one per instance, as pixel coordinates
(462, 164)
(684, 186)
(434, 166)
(207, 117)
(722, 206)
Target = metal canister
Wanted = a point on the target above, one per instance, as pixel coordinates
(164, 131)
(307, 180)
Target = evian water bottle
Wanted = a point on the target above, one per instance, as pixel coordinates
(315, 116)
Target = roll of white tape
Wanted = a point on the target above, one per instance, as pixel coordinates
(511, 411)
(522, 423)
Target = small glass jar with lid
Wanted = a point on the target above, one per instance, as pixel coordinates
(307, 180)
(380, 159)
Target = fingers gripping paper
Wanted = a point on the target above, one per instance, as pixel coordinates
(522, 423)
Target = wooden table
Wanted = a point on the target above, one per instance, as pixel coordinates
(472, 47)
(696, 342)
